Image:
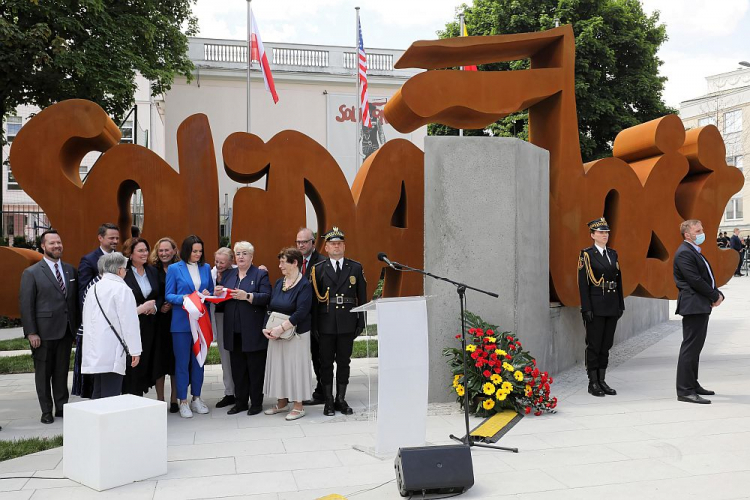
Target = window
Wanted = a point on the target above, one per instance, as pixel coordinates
(736, 161)
(83, 171)
(13, 123)
(12, 182)
(708, 120)
(733, 121)
(127, 132)
(734, 209)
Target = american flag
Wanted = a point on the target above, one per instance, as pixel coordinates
(364, 104)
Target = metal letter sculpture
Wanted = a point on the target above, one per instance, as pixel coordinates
(658, 177)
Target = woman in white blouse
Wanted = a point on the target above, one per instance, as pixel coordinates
(111, 328)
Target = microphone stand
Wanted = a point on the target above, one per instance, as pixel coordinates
(461, 288)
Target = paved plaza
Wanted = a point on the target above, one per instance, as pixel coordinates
(641, 443)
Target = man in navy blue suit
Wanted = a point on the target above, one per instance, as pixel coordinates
(109, 238)
(698, 295)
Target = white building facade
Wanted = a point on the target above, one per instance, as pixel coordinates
(727, 105)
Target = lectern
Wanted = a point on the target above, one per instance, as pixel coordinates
(403, 364)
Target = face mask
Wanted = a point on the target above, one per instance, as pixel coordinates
(700, 239)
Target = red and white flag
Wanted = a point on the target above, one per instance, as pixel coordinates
(364, 104)
(258, 53)
(200, 325)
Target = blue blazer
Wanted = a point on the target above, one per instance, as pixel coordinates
(88, 269)
(252, 316)
(179, 284)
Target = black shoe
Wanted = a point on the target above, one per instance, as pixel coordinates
(47, 418)
(694, 398)
(604, 386)
(340, 404)
(59, 413)
(328, 409)
(234, 410)
(317, 399)
(254, 410)
(704, 392)
(596, 390)
(225, 401)
(174, 408)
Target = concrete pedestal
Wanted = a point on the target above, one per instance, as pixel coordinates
(114, 441)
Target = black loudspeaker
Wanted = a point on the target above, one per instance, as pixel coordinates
(434, 469)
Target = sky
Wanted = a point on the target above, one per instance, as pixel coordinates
(706, 37)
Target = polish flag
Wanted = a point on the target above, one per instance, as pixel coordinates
(200, 325)
(258, 53)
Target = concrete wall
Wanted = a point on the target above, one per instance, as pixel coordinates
(486, 225)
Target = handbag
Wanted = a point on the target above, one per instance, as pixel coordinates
(276, 319)
(128, 357)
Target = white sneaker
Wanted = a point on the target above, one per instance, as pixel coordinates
(185, 410)
(198, 406)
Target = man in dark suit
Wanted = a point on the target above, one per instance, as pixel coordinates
(310, 256)
(50, 316)
(109, 238)
(697, 296)
(339, 286)
(735, 243)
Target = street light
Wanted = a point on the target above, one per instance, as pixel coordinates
(745, 63)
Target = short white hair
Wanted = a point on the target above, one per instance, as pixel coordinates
(225, 251)
(244, 245)
(111, 263)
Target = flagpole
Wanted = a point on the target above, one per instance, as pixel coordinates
(249, 59)
(460, 33)
(358, 97)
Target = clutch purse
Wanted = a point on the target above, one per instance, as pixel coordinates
(276, 319)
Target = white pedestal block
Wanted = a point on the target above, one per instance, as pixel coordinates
(114, 441)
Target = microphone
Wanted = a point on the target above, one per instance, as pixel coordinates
(382, 257)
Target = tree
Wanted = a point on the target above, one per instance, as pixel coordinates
(617, 70)
(91, 49)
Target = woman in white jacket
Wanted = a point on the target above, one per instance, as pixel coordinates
(111, 328)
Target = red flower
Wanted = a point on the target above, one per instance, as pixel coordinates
(493, 356)
(533, 361)
(508, 356)
(546, 387)
(545, 374)
(550, 380)
(553, 404)
(498, 369)
(535, 372)
(474, 355)
(458, 336)
(527, 369)
(538, 412)
(554, 400)
(509, 338)
(480, 333)
(478, 364)
(491, 332)
(491, 362)
(518, 344)
(528, 410)
(486, 373)
(472, 331)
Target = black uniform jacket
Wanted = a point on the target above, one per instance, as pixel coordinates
(696, 293)
(604, 299)
(347, 291)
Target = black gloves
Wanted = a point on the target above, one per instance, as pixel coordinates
(588, 316)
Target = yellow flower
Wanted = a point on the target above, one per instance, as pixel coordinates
(508, 366)
(500, 352)
(471, 348)
(496, 379)
(518, 375)
(501, 395)
(488, 389)
(528, 388)
(491, 340)
(488, 404)
(456, 379)
(507, 387)
(460, 390)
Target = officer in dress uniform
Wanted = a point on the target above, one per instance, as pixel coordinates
(339, 285)
(602, 303)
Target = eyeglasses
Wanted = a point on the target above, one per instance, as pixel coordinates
(302, 242)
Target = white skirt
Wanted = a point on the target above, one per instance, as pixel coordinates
(288, 372)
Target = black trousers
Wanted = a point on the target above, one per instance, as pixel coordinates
(315, 355)
(739, 265)
(248, 372)
(694, 328)
(335, 348)
(51, 366)
(107, 385)
(600, 335)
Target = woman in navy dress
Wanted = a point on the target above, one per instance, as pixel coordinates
(288, 375)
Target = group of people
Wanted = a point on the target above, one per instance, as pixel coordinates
(125, 313)
(602, 304)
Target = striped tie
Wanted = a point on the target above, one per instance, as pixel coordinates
(59, 278)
